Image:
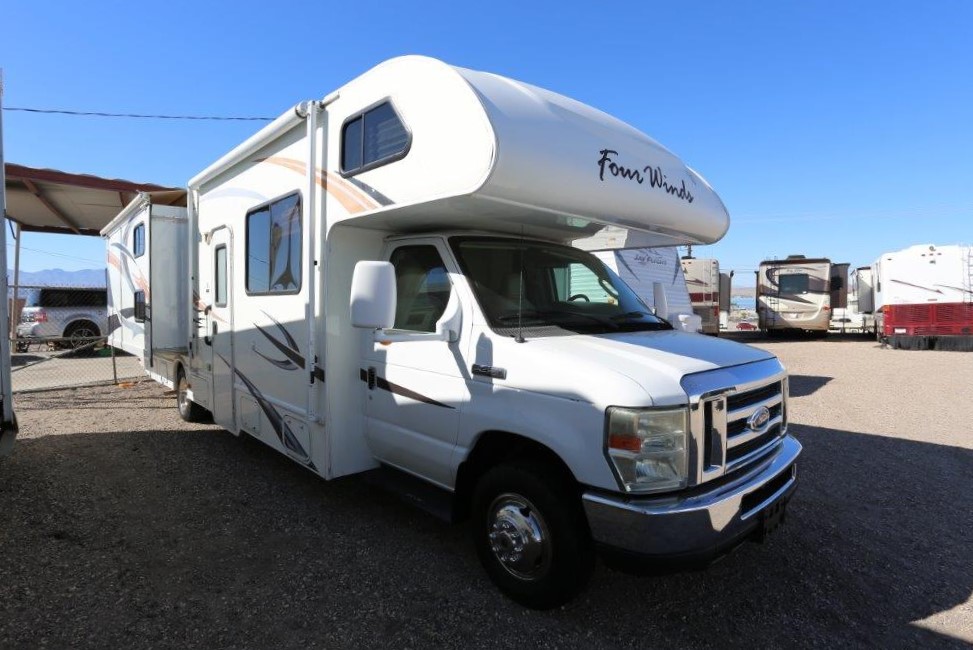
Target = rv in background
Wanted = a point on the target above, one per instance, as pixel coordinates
(726, 291)
(655, 274)
(148, 304)
(797, 294)
(923, 297)
(703, 282)
(390, 281)
(858, 317)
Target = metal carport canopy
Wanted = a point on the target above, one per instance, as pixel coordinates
(48, 200)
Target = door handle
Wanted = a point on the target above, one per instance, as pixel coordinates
(208, 340)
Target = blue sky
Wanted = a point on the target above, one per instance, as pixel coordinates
(828, 128)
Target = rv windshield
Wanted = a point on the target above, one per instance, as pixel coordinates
(529, 284)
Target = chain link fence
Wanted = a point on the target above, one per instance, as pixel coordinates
(60, 339)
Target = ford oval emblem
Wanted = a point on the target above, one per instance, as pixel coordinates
(759, 419)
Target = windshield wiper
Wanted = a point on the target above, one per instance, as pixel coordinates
(538, 314)
(657, 324)
(631, 314)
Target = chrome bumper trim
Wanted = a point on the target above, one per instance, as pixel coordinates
(697, 524)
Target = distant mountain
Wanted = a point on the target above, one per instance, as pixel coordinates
(60, 278)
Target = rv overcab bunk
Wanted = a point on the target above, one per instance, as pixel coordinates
(922, 297)
(797, 294)
(703, 282)
(393, 280)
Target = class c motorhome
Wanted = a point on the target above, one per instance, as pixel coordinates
(392, 281)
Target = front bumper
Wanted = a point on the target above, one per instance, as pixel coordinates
(701, 525)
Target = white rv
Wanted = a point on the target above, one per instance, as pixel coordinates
(923, 297)
(797, 294)
(655, 274)
(8, 419)
(726, 298)
(383, 281)
(148, 289)
(703, 282)
(858, 317)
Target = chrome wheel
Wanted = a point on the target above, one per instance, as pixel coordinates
(81, 335)
(519, 537)
(182, 394)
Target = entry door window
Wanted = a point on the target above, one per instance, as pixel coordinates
(220, 264)
(422, 288)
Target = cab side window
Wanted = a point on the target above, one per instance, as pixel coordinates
(422, 287)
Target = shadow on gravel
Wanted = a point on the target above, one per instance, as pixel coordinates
(198, 539)
(804, 385)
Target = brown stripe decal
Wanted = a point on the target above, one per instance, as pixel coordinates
(350, 197)
(384, 384)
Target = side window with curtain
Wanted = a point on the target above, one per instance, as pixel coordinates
(274, 247)
(422, 287)
(373, 138)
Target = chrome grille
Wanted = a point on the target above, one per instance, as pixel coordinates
(722, 404)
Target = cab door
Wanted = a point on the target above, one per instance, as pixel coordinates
(415, 389)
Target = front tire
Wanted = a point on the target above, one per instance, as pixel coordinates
(531, 535)
(189, 410)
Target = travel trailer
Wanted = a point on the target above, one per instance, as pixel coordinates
(923, 297)
(393, 281)
(703, 281)
(148, 286)
(655, 275)
(797, 294)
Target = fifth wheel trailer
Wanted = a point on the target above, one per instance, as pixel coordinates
(393, 281)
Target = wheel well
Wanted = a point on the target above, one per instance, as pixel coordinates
(73, 325)
(493, 448)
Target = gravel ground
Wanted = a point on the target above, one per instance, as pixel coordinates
(122, 526)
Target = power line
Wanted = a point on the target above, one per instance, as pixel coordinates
(49, 111)
(53, 254)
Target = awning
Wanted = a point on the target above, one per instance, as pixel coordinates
(48, 200)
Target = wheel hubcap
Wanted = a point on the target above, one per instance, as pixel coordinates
(519, 537)
(181, 393)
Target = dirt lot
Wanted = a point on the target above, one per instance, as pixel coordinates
(122, 526)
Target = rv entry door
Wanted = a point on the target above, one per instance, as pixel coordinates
(216, 269)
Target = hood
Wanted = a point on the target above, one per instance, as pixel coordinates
(623, 369)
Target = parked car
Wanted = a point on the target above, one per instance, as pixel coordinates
(744, 325)
(64, 317)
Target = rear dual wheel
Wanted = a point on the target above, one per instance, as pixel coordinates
(189, 410)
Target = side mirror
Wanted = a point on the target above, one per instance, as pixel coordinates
(373, 295)
(660, 300)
